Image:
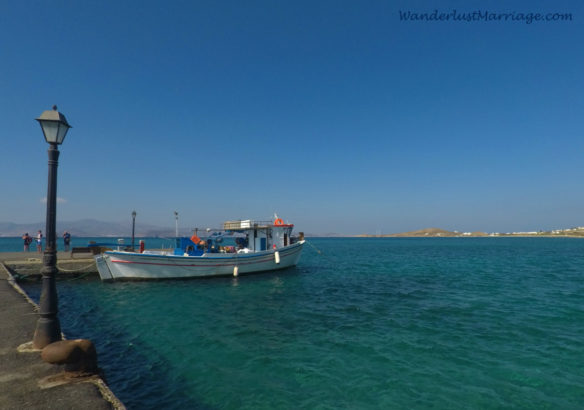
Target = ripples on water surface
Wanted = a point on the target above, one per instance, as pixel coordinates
(369, 323)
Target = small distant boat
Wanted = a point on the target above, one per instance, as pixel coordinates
(258, 246)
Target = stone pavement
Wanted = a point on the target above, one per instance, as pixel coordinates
(26, 382)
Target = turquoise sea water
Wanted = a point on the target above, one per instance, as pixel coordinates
(484, 323)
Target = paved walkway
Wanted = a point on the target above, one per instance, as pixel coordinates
(26, 382)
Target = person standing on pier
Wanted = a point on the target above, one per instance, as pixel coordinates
(39, 241)
(66, 240)
(27, 241)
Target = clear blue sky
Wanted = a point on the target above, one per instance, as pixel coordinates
(336, 115)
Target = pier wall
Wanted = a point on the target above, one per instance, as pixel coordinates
(29, 264)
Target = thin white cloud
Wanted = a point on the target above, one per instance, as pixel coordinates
(59, 200)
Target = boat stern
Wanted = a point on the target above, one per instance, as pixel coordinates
(103, 269)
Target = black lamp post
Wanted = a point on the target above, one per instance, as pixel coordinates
(48, 330)
(176, 223)
(133, 227)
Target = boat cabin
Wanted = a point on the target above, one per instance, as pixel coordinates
(262, 235)
(249, 236)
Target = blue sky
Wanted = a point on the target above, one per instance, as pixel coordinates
(336, 115)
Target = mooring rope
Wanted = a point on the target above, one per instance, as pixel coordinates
(19, 276)
(78, 277)
(76, 270)
(315, 248)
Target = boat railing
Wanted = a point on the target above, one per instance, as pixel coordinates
(246, 224)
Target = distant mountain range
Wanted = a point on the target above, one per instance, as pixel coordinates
(89, 228)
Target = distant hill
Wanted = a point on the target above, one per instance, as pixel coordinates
(442, 233)
(426, 233)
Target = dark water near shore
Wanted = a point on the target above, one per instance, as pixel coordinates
(443, 323)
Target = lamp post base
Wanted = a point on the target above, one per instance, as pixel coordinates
(48, 328)
(48, 331)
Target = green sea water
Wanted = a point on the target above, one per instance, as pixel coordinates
(445, 323)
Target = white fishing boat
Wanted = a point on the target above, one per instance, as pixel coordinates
(258, 246)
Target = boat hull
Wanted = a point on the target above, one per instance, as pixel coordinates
(113, 265)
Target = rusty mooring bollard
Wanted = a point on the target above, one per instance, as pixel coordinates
(77, 355)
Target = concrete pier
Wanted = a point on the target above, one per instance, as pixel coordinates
(26, 382)
(27, 264)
